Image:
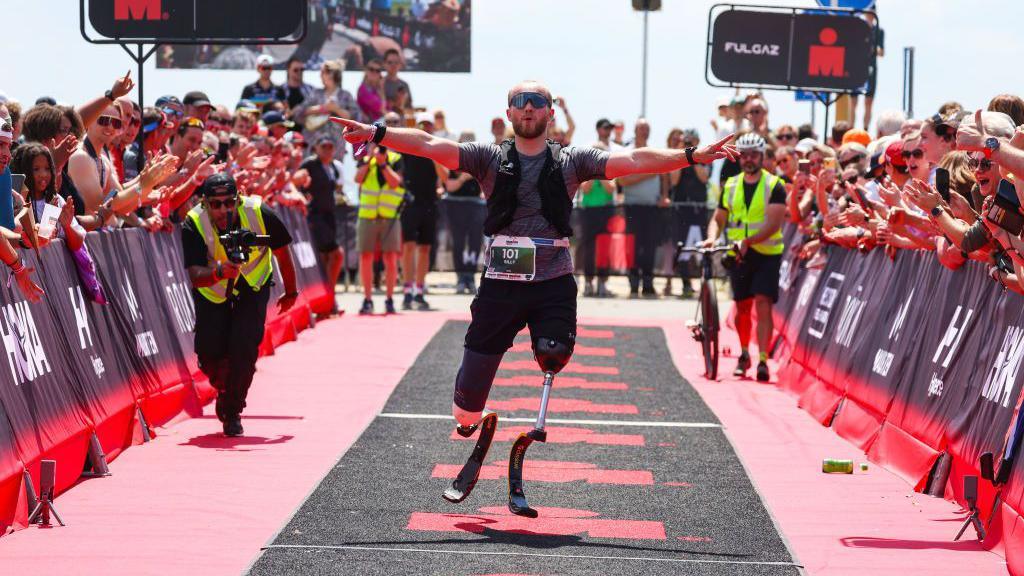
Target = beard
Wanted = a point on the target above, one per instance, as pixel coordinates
(750, 167)
(540, 126)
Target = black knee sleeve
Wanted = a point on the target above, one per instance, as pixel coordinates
(473, 383)
(551, 355)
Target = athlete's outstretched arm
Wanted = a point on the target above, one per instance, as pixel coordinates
(405, 141)
(659, 160)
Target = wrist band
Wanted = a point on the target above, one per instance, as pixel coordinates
(18, 267)
(216, 272)
(689, 155)
(380, 129)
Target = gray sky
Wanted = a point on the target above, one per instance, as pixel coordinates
(588, 51)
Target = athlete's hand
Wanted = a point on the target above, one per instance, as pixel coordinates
(721, 149)
(355, 132)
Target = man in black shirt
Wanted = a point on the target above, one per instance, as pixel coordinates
(295, 89)
(752, 218)
(419, 219)
(263, 90)
(324, 182)
(231, 297)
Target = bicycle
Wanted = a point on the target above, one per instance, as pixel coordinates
(705, 326)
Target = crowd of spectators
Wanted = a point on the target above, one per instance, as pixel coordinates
(887, 189)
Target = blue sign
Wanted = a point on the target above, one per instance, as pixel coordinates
(848, 4)
(806, 96)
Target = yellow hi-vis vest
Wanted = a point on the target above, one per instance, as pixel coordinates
(745, 221)
(260, 267)
(374, 201)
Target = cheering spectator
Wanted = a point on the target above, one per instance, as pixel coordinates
(688, 189)
(756, 112)
(498, 130)
(197, 105)
(295, 89)
(322, 103)
(555, 132)
(263, 90)
(423, 179)
(392, 83)
(276, 124)
(371, 92)
(22, 274)
(34, 161)
(324, 185)
(380, 199)
(1009, 104)
(618, 133)
(641, 195)
(171, 107)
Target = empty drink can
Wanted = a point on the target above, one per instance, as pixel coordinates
(834, 466)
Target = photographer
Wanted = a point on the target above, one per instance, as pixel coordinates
(231, 287)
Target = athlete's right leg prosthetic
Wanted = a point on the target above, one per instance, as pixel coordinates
(552, 356)
(472, 386)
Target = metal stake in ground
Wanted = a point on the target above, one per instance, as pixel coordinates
(552, 356)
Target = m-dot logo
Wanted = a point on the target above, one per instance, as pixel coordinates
(139, 10)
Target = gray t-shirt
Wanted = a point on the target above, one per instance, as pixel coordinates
(578, 165)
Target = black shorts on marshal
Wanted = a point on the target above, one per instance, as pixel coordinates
(756, 275)
(324, 229)
(504, 307)
(419, 223)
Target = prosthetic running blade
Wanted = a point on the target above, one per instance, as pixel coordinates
(466, 480)
(517, 503)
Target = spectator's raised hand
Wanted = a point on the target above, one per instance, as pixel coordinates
(854, 215)
(123, 85)
(193, 160)
(260, 162)
(29, 289)
(207, 168)
(890, 195)
(156, 196)
(721, 149)
(245, 155)
(62, 150)
(925, 196)
(67, 213)
(962, 208)
(301, 178)
(156, 172)
(971, 136)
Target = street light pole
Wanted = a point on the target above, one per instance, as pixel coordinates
(643, 101)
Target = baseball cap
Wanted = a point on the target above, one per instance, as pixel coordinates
(323, 138)
(294, 138)
(246, 106)
(894, 154)
(220, 184)
(6, 130)
(48, 100)
(275, 117)
(424, 118)
(264, 60)
(165, 100)
(604, 123)
(197, 98)
(497, 120)
(857, 135)
(806, 145)
(876, 164)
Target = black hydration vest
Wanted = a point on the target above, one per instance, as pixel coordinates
(555, 204)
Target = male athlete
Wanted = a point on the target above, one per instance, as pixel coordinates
(529, 183)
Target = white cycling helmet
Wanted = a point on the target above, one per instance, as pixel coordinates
(751, 141)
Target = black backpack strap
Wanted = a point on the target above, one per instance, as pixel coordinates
(506, 163)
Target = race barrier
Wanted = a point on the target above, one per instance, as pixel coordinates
(83, 381)
(611, 239)
(916, 364)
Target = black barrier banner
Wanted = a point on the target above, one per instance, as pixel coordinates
(790, 49)
(932, 353)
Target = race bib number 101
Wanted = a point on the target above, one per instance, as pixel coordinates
(512, 258)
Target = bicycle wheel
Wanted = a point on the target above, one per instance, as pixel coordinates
(709, 314)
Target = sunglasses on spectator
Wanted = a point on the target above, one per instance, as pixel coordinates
(374, 70)
(919, 153)
(535, 99)
(172, 112)
(136, 120)
(850, 160)
(228, 203)
(193, 122)
(105, 121)
(851, 180)
(299, 69)
(265, 67)
(979, 165)
(785, 136)
(756, 111)
(940, 127)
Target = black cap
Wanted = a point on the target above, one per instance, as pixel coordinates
(220, 184)
(46, 100)
(604, 123)
(197, 98)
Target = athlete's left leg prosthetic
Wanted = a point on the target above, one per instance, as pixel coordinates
(551, 356)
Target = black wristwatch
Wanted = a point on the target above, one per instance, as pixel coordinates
(109, 95)
(381, 129)
(936, 211)
(991, 145)
(689, 155)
